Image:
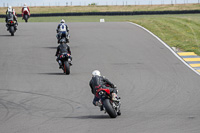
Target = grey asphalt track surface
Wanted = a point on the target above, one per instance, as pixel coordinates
(159, 93)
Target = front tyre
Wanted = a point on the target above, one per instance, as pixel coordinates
(66, 68)
(109, 109)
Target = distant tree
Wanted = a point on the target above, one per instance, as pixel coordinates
(92, 4)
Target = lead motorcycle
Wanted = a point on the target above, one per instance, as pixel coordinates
(110, 107)
(65, 63)
(26, 15)
(63, 35)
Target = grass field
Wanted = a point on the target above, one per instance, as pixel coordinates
(63, 9)
(181, 31)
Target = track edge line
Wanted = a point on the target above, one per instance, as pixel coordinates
(167, 46)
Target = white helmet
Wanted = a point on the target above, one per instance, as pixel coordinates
(62, 21)
(10, 9)
(24, 4)
(96, 73)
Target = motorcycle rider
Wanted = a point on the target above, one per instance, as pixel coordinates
(25, 8)
(9, 11)
(62, 30)
(63, 48)
(99, 81)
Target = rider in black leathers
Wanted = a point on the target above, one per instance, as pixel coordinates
(99, 81)
(11, 14)
(63, 48)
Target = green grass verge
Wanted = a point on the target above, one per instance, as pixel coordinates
(181, 31)
(64, 9)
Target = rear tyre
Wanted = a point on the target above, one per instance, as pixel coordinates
(109, 109)
(66, 68)
(12, 30)
(26, 18)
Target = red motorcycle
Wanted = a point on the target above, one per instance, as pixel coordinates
(26, 15)
(111, 107)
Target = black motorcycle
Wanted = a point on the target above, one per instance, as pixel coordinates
(65, 63)
(11, 24)
(63, 35)
(111, 107)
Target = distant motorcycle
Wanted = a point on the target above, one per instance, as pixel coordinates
(63, 35)
(111, 107)
(65, 63)
(26, 15)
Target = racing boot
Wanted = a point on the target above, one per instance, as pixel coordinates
(16, 23)
(15, 27)
(70, 61)
(7, 27)
(60, 64)
(114, 97)
(98, 103)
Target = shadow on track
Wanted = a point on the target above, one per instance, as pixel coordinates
(5, 35)
(50, 47)
(90, 117)
(51, 73)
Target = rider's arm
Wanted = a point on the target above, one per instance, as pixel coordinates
(58, 28)
(68, 49)
(67, 28)
(108, 82)
(57, 52)
(28, 9)
(91, 86)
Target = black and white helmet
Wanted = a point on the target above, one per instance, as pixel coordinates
(62, 21)
(62, 41)
(96, 73)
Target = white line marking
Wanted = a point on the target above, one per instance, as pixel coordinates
(167, 47)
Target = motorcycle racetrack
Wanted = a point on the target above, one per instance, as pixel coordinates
(159, 93)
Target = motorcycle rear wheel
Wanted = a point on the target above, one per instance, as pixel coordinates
(12, 30)
(66, 68)
(26, 18)
(109, 109)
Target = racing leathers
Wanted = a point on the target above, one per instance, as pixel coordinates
(25, 8)
(61, 50)
(11, 15)
(101, 82)
(63, 31)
